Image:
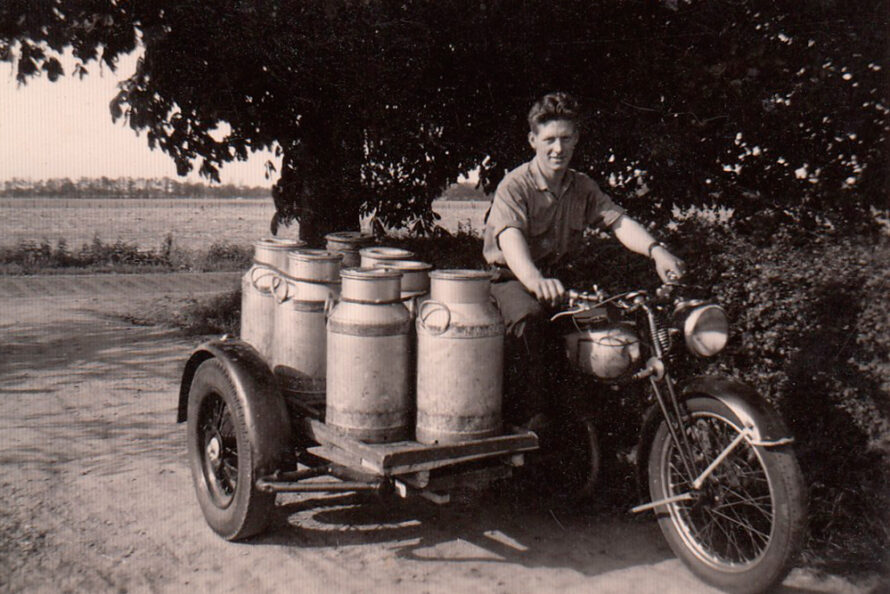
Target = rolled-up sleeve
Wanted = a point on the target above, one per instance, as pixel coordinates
(601, 210)
(508, 209)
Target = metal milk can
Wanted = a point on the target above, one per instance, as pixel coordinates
(460, 353)
(310, 286)
(415, 280)
(348, 243)
(378, 254)
(257, 301)
(368, 358)
(273, 251)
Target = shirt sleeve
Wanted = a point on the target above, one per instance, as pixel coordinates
(601, 210)
(508, 209)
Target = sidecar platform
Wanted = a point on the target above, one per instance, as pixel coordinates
(391, 459)
(403, 465)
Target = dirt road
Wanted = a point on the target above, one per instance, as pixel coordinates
(97, 494)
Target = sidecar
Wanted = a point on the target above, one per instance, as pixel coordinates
(250, 436)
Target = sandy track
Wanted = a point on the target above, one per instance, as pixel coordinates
(114, 286)
(98, 497)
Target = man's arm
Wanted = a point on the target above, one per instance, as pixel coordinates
(515, 248)
(635, 238)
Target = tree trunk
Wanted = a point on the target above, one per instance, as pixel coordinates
(318, 188)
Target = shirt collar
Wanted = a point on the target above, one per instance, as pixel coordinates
(538, 177)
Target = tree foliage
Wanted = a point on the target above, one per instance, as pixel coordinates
(761, 107)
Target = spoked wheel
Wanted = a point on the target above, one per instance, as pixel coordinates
(222, 458)
(743, 528)
(219, 443)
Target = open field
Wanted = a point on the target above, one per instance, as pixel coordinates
(193, 223)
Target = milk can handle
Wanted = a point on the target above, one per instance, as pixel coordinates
(255, 279)
(329, 303)
(277, 281)
(423, 312)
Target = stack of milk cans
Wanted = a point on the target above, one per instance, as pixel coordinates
(395, 350)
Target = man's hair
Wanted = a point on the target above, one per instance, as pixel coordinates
(554, 106)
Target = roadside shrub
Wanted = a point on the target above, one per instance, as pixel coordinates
(223, 256)
(30, 257)
(812, 324)
(220, 314)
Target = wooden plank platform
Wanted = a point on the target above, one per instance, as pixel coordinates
(404, 457)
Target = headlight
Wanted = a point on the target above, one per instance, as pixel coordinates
(706, 330)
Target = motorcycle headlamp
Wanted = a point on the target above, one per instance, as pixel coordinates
(706, 330)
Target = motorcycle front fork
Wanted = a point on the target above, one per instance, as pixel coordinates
(677, 419)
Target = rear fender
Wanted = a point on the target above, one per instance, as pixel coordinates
(754, 413)
(256, 388)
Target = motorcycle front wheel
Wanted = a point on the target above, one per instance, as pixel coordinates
(742, 530)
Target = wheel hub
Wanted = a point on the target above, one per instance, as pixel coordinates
(213, 450)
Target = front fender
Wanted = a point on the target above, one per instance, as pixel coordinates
(256, 388)
(752, 410)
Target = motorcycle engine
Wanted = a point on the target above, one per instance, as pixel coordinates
(607, 352)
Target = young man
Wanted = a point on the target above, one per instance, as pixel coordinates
(535, 224)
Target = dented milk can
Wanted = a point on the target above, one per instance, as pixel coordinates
(460, 352)
(348, 243)
(257, 301)
(298, 344)
(379, 254)
(368, 358)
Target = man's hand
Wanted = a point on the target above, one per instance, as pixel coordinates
(516, 253)
(549, 290)
(668, 266)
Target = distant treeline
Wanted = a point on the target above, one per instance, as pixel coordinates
(124, 187)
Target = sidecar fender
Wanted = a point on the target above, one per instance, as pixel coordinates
(752, 410)
(268, 424)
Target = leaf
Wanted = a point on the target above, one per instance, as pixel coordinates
(53, 69)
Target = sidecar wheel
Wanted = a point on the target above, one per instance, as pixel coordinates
(221, 457)
(743, 529)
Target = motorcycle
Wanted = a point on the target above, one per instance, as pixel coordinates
(718, 462)
(722, 477)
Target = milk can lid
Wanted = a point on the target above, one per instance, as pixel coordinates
(461, 274)
(370, 273)
(279, 243)
(313, 255)
(408, 265)
(386, 252)
(350, 237)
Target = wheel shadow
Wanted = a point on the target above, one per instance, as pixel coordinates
(504, 528)
(488, 528)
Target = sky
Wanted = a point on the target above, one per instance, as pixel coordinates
(64, 129)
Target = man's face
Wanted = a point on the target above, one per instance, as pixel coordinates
(554, 144)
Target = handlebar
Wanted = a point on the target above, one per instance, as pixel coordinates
(630, 301)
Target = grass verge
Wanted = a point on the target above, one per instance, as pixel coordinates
(33, 257)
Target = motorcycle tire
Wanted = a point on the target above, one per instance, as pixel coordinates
(743, 529)
(222, 459)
